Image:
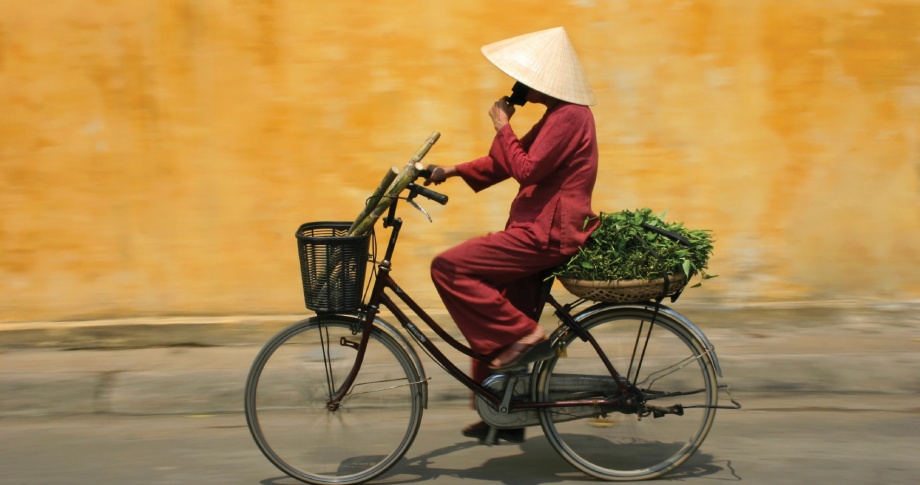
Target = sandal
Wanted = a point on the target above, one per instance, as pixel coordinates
(511, 356)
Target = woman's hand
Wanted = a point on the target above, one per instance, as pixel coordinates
(439, 174)
(501, 113)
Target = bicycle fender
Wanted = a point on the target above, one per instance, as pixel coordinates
(663, 310)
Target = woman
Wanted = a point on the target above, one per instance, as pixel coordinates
(490, 284)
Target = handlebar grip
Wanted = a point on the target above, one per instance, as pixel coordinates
(428, 194)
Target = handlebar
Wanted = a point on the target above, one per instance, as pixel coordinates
(427, 193)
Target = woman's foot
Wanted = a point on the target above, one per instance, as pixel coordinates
(513, 352)
(480, 431)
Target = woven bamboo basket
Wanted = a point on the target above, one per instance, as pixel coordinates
(623, 291)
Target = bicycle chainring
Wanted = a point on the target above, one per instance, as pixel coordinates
(521, 392)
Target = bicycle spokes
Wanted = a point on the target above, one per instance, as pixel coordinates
(669, 375)
(288, 393)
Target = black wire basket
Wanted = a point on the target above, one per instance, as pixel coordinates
(332, 266)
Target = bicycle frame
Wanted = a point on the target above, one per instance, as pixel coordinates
(379, 297)
(664, 355)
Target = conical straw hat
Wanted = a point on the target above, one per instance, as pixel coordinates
(545, 61)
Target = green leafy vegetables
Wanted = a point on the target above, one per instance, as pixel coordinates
(625, 246)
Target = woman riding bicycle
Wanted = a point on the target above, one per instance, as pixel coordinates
(489, 284)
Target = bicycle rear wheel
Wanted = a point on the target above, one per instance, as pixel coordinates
(668, 368)
(291, 382)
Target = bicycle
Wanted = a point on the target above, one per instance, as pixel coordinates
(338, 398)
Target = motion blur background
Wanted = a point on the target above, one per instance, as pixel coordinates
(157, 156)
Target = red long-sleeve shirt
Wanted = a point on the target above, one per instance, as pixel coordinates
(555, 164)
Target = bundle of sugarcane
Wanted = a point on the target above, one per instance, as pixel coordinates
(393, 183)
(341, 266)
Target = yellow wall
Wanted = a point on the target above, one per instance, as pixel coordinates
(156, 156)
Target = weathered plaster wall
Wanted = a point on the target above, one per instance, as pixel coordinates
(156, 156)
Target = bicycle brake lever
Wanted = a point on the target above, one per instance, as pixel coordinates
(423, 211)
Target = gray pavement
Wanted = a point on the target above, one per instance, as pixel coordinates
(198, 365)
(776, 441)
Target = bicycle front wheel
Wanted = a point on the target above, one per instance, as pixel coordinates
(291, 382)
(673, 392)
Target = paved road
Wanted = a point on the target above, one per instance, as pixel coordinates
(773, 440)
(831, 395)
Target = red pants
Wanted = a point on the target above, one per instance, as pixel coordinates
(490, 287)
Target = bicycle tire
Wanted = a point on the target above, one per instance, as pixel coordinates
(617, 444)
(290, 383)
